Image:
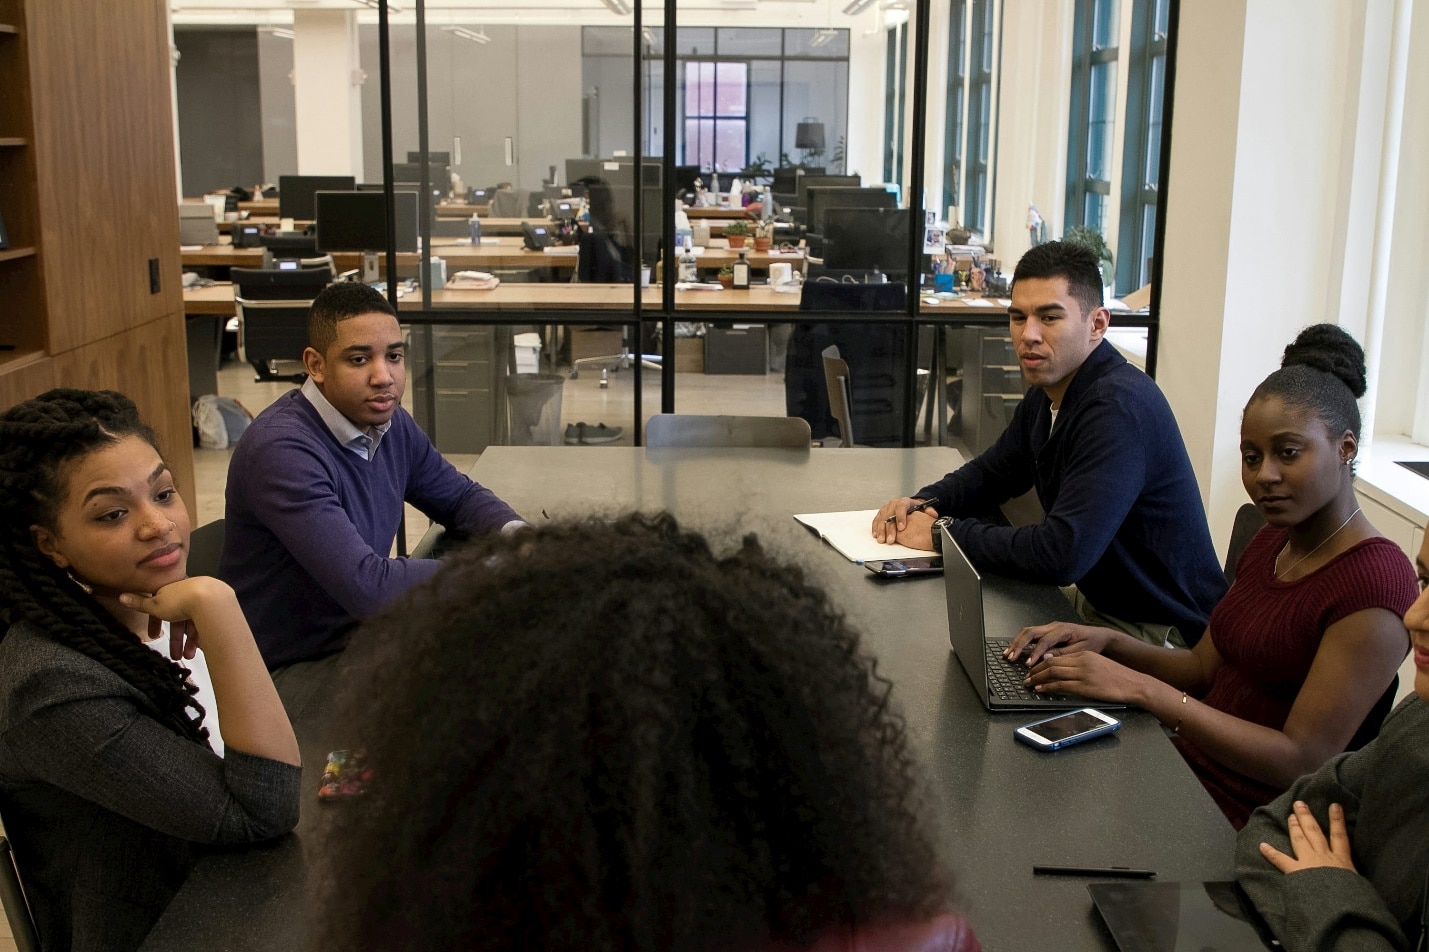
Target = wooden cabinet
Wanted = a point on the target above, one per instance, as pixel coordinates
(89, 288)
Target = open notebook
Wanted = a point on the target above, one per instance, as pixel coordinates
(848, 532)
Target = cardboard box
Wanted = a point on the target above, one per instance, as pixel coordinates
(689, 355)
(594, 342)
(736, 349)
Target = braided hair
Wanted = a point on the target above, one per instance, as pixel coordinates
(1323, 371)
(39, 439)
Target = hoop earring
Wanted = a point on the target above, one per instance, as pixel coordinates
(87, 589)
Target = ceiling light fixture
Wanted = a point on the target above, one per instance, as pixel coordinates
(822, 36)
(619, 7)
(281, 32)
(648, 36)
(375, 4)
(857, 7)
(476, 36)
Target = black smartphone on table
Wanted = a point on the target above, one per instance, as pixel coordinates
(906, 568)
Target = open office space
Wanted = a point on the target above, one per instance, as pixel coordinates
(1292, 189)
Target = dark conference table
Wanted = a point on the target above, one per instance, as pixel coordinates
(1126, 800)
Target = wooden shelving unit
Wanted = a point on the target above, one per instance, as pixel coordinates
(13, 142)
(15, 253)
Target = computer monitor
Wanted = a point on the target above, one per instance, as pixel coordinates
(807, 182)
(577, 169)
(439, 174)
(295, 192)
(873, 239)
(435, 158)
(357, 221)
(290, 245)
(822, 199)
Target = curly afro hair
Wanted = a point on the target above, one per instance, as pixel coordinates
(605, 736)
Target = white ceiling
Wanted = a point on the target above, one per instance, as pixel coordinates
(730, 13)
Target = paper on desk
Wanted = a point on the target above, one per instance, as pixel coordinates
(698, 286)
(849, 533)
(977, 302)
(562, 249)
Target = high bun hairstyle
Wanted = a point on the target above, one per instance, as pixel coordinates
(1322, 371)
(39, 440)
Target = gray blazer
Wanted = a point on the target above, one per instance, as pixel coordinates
(107, 808)
(1384, 792)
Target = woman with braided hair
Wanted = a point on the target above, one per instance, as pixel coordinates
(110, 782)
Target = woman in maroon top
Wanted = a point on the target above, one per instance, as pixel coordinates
(1308, 637)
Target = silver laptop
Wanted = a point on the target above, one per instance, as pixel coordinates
(984, 614)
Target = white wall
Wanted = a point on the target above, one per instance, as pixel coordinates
(867, 61)
(327, 93)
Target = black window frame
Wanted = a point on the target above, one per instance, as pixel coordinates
(1086, 55)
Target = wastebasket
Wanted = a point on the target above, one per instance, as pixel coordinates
(535, 405)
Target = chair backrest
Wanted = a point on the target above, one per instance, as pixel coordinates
(1248, 520)
(268, 284)
(1369, 730)
(836, 379)
(205, 547)
(17, 911)
(510, 203)
(690, 430)
(848, 296)
(600, 259)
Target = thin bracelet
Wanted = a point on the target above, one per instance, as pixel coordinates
(1177, 729)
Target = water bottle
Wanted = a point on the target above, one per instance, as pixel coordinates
(683, 233)
(475, 231)
(689, 265)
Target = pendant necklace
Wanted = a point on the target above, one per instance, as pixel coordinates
(1280, 576)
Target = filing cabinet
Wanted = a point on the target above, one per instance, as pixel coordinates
(458, 379)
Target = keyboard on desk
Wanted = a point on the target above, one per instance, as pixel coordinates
(1004, 678)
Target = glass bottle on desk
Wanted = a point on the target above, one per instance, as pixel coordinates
(741, 271)
(689, 264)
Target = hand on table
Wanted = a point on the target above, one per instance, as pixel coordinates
(1064, 636)
(1086, 673)
(1308, 844)
(892, 521)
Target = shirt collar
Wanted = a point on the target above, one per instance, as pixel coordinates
(362, 442)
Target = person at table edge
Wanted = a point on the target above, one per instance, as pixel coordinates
(317, 482)
(1096, 438)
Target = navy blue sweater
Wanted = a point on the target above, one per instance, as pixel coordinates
(1124, 519)
(310, 525)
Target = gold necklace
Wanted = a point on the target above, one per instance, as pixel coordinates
(1280, 576)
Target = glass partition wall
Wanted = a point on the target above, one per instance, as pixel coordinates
(626, 208)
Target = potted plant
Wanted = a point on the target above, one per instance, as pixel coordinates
(763, 235)
(726, 277)
(736, 231)
(1092, 239)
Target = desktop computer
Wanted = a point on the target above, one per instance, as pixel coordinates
(295, 192)
(357, 221)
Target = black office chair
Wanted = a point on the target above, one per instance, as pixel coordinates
(17, 910)
(273, 316)
(874, 353)
(205, 548)
(1248, 520)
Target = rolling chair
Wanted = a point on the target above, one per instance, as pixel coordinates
(205, 548)
(17, 910)
(603, 260)
(273, 315)
(510, 203)
(694, 430)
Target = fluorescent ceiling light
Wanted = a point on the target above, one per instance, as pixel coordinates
(857, 6)
(279, 31)
(476, 36)
(618, 7)
(375, 4)
(822, 36)
(647, 35)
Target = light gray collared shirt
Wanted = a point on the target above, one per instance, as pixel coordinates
(362, 442)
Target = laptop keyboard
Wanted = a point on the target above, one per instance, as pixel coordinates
(1004, 678)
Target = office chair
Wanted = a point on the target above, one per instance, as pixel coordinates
(603, 260)
(17, 910)
(273, 316)
(836, 382)
(1248, 520)
(510, 203)
(874, 353)
(205, 547)
(694, 430)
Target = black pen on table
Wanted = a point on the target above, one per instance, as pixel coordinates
(1126, 872)
(916, 507)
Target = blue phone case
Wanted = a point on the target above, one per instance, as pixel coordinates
(1094, 732)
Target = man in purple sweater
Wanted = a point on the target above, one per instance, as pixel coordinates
(316, 486)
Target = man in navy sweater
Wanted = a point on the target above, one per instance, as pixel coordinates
(316, 486)
(1097, 440)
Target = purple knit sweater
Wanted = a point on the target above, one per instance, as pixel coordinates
(310, 523)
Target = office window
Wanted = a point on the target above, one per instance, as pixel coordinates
(895, 93)
(953, 115)
(1141, 157)
(1093, 113)
(716, 114)
(976, 214)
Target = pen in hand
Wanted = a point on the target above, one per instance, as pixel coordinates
(916, 507)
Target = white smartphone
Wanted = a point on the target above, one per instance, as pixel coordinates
(1064, 730)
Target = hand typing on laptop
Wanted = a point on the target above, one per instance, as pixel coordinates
(1092, 675)
(1034, 642)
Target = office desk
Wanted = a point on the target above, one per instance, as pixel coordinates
(260, 206)
(716, 212)
(1126, 800)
